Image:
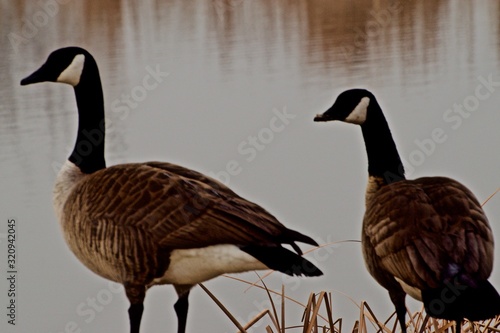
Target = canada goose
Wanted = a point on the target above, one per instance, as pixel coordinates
(429, 237)
(154, 223)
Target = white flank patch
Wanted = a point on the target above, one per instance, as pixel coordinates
(73, 72)
(412, 291)
(358, 115)
(374, 184)
(67, 177)
(192, 266)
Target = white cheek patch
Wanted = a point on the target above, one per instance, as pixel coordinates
(73, 72)
(358, 115)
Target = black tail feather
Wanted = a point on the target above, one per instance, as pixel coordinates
(283, 260)
(455, 301)
(289, 236)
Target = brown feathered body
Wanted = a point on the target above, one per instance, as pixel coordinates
(124, 222)
(154, 223)
(429, 237)
(419, 233)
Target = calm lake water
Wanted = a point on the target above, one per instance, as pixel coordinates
(239, 84)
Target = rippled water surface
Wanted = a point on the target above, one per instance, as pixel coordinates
(239, 84)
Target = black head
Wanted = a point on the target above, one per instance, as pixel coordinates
(63, 65)
(351, 106)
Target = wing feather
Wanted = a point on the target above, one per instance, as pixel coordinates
(421, 228)
(176, 207)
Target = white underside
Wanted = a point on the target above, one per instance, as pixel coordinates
(192, 266)
(412, 291)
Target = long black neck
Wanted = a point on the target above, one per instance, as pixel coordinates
(383, 158)
(88, 153)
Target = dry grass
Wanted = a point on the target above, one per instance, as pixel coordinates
(319, 318)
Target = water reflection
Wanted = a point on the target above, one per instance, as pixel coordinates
(352, 35)
(230, 63)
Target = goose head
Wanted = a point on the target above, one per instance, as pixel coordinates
(351, 106)
(65, 65)
(76, 67)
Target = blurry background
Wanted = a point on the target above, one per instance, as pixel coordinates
(245, 79)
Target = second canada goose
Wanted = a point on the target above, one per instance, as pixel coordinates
(429, 237)
(153, 223)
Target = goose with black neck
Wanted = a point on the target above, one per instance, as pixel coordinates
(153, 223)
(429, 237)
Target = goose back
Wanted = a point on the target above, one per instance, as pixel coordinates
(426, 231)
(134, 215)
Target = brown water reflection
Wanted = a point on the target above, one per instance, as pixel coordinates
(317, 33)
(231, 65)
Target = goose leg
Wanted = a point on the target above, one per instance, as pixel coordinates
(135, 315)
(398, 299)
(135, 295)
(181, 306)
